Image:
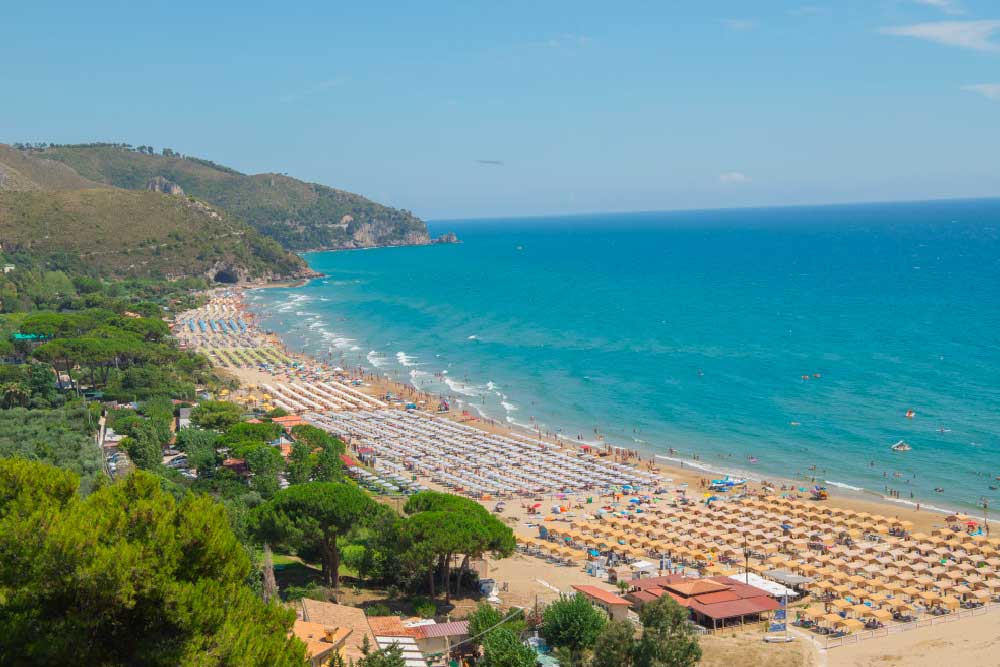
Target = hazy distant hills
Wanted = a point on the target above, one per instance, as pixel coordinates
(51, 212)
(300, 215)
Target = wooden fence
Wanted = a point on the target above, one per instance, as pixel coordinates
(896, 628)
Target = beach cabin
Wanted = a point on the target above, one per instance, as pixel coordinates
(616, 607)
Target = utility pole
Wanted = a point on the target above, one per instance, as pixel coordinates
(746, 561)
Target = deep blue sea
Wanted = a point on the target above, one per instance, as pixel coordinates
(797, 336)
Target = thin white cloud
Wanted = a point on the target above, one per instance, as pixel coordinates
(578, 41)
(976, 35)
(946, 6)
(741, 25)
(990, 91)
(733, 178)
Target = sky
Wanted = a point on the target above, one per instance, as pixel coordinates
(484, 109)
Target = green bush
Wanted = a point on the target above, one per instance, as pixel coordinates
(424, 607)
(309, 592)
(378, 609)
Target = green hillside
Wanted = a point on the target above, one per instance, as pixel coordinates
(20, 171)
(113, 232)
(300, 215)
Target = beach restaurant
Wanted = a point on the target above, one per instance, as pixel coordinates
(714, 602)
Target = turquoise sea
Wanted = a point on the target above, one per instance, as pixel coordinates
(796, 336)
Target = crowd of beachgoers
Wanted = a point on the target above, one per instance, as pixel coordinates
(852, 569)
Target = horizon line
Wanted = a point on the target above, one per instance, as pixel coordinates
(698, 209)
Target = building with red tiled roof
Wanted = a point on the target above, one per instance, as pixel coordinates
(339, 616)
(713, 601)
(288, 422)
(436, 638)
(321, 640)
(389, 626)
(616, 607)
(238, 466)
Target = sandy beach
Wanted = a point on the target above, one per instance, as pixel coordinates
(853, 532)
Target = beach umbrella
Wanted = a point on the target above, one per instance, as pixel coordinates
(832, 618)
(841, 604)
(860, 609)
(949, 602)
(849, 624)
(814, 613)
(880, 614)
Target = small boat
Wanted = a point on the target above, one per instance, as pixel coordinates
(938, 489)
(901, 446)
(910, 414)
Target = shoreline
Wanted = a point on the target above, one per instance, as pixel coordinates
(684, 470)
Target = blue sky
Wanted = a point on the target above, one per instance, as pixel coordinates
(590, 106)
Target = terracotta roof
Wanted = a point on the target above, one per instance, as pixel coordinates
(388, 626)
(743, 607)
(693, 587)
(682, 601)
(643, 596)
(607, 597)
(453, 629)
(337, 615)
(289, 421)
(717, 597)
(320, 640)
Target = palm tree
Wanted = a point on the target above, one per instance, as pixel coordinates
(14, 394)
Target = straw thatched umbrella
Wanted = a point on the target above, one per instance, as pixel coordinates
(928, 596)
(860, 609)
(949, 602)
(859, 594)
(849, 624)
(879, 614)
(813, 613)
(830, 619)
